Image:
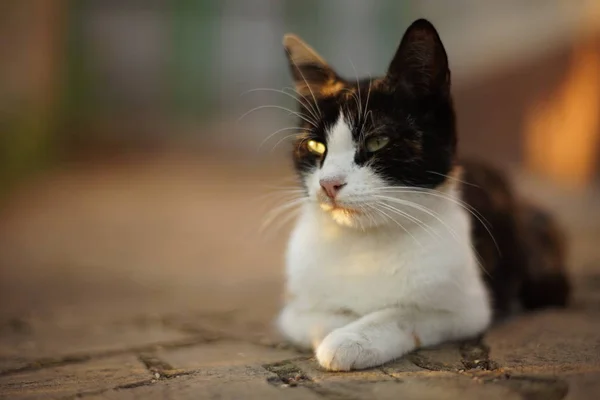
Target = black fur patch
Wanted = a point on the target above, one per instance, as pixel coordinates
(528, 267)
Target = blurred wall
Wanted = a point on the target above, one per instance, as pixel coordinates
(115, 75)
(31, 46)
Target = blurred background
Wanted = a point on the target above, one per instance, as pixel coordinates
(129, 186)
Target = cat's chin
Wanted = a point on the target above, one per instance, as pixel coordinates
(349, 217)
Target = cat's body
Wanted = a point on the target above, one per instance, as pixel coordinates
(384, 283)
(386, 256)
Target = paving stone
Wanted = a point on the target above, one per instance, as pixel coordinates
(547, 342)
(50, 343)
(401, 366)
(306, 372)
(69, 380)
(407, 380)
(454, 357)
(311, 368)
(233, 324)
(222, 353)
(446, 357)
(375, 384)
(436, 385)
(223, 383)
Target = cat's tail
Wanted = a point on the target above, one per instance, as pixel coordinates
(546, 283)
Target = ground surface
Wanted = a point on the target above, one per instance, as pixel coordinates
(148, 279)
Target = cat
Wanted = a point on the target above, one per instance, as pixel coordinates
(399, 245)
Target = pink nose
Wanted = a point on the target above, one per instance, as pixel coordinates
(332, 186)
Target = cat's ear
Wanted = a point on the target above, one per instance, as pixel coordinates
(311, 74)
(420, 65)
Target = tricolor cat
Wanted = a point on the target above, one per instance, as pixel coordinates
(399, 244)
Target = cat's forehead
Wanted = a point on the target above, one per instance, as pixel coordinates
(347, 92)
(359, 102)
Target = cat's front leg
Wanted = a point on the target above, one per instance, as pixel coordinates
(306, 329)
(388, 334)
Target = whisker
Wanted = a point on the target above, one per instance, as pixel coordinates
(276, 132)
(453, 178)
(366, 107)
(305, 81)
(285, 184)
(270, 204)
(414, 189)
(366, 210)
(362, 129)
(357, 88)
(281, 140)
(274, 213)
(397, 223)
(308, 102)
(435, 215)
(356, 100)
(278, 192)
(291, 214)
(412, 218)
(437, 193)
(301, 142)
(420, 208)
(311, 110)
(299, 115)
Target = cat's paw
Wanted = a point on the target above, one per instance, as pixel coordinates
(345, 350)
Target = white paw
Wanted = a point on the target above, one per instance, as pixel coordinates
(344, 351)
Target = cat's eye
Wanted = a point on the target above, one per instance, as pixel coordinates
(376, 143)
(316, 147)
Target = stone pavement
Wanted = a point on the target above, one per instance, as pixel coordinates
(146, 279)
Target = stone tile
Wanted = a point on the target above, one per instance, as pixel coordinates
(346, 385)
(312, 370)
(400, 367)
(435, 385)
(256, 326)
(50, 343)
(222, 383)
(73, 379)
(452, 357)
(375, 384)
(223, 353)
(440, 358)
(405, 380)
(547, 342)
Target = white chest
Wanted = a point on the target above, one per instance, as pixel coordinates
(331, 267)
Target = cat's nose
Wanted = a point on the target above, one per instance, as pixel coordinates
(332, 186)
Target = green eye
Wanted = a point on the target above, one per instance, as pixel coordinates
(316, 147)
(376, 143)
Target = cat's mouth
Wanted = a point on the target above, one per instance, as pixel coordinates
(339, 208)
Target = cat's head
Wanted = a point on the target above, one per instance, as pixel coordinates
(367, 139)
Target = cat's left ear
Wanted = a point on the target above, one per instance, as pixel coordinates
(312, 75)
(420, 65)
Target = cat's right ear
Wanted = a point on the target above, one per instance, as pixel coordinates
(312, 75)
